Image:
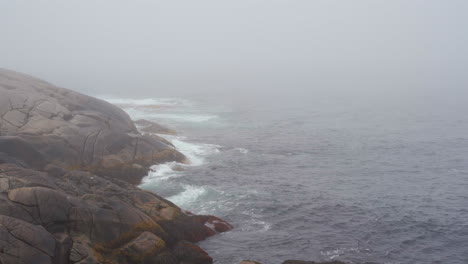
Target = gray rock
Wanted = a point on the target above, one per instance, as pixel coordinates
(84, 218)
(41, 124)
(153, 127)
(52, 213)
(4, 185)
(52, 206)
(22, 242)
(145, 244)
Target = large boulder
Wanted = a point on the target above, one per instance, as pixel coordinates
(44, 124)
(189, 253)
(68, 165)
(22, 242)
(58, 216)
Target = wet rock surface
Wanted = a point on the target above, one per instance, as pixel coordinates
(154, 128)
(43, 124)
(68, 164)
(78, 217)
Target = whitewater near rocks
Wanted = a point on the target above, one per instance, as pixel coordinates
(326, 178)
(68, 163)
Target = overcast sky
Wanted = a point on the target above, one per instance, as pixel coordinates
(164, 47)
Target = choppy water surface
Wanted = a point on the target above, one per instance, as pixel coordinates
(320, 179)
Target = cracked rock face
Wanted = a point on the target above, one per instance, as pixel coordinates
(76, 217)
(22, 242)
(43, 124)
(67, 164)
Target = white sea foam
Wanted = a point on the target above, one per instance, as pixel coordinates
(254, 222)
(161, 172)
(137, 114)
(242, 150)
(196, 153)
(179, 117)
(171, 109)
(264, 226)
(154, 115)
(163, 177)
(188, 196)
(146, 101)
(335, 253)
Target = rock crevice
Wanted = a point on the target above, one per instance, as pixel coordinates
(100, 137)
(68, 165)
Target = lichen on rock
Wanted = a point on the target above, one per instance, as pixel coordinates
(68, 168)
(41, 124)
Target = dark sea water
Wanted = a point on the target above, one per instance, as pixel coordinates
(379, 179)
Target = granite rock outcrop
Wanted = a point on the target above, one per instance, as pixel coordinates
(44, 124)
(68, 168)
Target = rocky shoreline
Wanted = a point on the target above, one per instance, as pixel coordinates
(68, 168)
(69, 164)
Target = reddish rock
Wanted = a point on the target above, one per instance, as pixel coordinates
(249, 262)
(188, 228)
(218, 224)
(189, 253)
(144, 243)
(54, 209)
(92, 218)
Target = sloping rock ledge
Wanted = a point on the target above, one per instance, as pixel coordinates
(43, 124)
(68, 165)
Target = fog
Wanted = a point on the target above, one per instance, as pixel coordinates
(260, 47)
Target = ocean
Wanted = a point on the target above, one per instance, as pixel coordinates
(380, 179)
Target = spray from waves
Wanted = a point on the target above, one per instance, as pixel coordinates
(148, 108)
(194, 118)
(171, 117)
(172, 110)
(190, 195)
(126, 102)
(196, 153)
(242, 150)
(168, 179)
(162, 177)
(162, 172)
